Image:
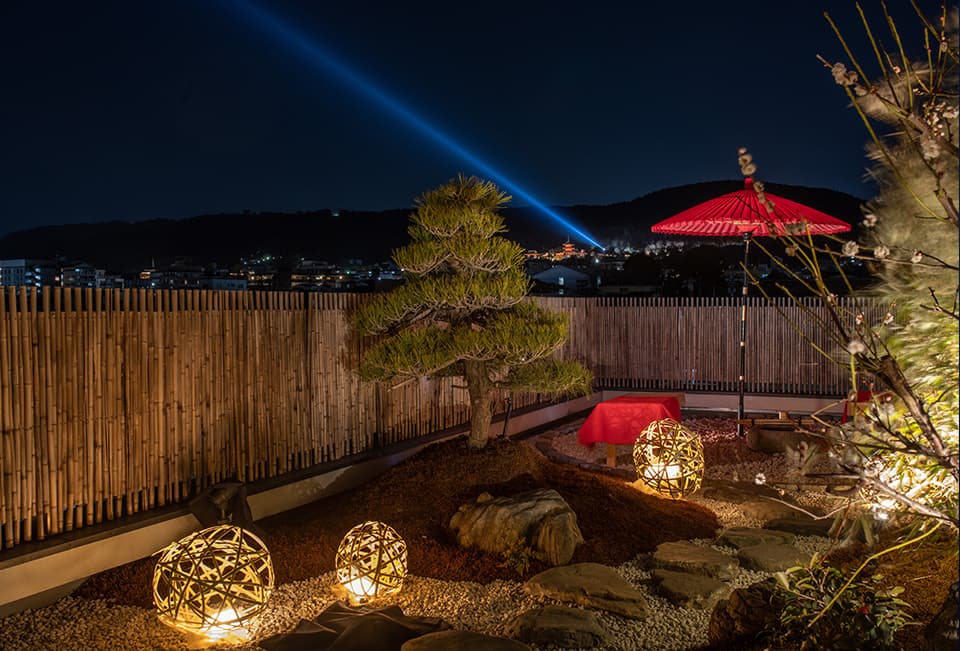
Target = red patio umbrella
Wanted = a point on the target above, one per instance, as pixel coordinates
(741, 214)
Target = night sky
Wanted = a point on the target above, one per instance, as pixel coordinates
(135, 110)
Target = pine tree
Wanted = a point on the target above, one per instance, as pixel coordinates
(461, 311)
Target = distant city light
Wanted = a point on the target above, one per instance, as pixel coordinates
(308, 49)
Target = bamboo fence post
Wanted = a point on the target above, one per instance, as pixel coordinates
(19, 417)
(144, 468)
(16, 365)
(6, 428)
(95, 395)
(172, 402)
(48, 424)
(34, 403)
(62, 393)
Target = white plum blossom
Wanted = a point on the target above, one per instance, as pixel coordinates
(760, 479)
(856, 347)
(916, 257)
(870, 220)
(748, 169)
(888, 319)
(930, 148)
(795, 228)
(851, 248)
(881, 252)
(842, 76)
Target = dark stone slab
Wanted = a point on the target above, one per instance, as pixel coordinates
(569, 628)
(690, 590)
(683, 556)
(462, 641)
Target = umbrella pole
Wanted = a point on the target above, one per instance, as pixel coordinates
(743, 333)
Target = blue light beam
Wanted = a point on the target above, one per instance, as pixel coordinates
(303, 46)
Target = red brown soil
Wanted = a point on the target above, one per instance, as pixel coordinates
(418, 497)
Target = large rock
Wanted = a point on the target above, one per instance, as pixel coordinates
(591, 585)
(740, 537)
(690, 590)
(771, 557)
(737, 620)
(684, 556)
(569, 628)
(462, 641)
(540, 519)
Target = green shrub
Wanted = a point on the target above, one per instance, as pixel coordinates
(818, 610)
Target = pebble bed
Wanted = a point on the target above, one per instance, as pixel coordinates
(72, 623)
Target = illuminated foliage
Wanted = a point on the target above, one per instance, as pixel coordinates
(902, 455)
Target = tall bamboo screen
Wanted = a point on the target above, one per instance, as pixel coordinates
(119, 401)
(693, 344)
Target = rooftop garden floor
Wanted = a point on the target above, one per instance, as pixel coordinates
(469, 589)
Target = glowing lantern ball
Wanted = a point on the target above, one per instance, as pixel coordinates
(669, 458)
(371, 561)
(213, 583)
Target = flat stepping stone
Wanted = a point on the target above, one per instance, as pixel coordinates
(735, 492)
(683, 556)
(801, 526)
(462, 641)
(690, 590)
(569, 628)
(769, 509)
(740, 537)
(590, 585)
(771, 557)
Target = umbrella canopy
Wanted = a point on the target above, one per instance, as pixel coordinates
(740, 212)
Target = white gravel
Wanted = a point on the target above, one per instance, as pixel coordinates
(86, 624)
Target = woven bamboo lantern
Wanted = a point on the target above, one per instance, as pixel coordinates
(669, 458)
(213, 583)
(371, 561)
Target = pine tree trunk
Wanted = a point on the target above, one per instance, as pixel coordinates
(479, 388)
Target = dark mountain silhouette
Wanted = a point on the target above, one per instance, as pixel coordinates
(370, 236)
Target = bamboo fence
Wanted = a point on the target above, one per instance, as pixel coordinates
(118, 401)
